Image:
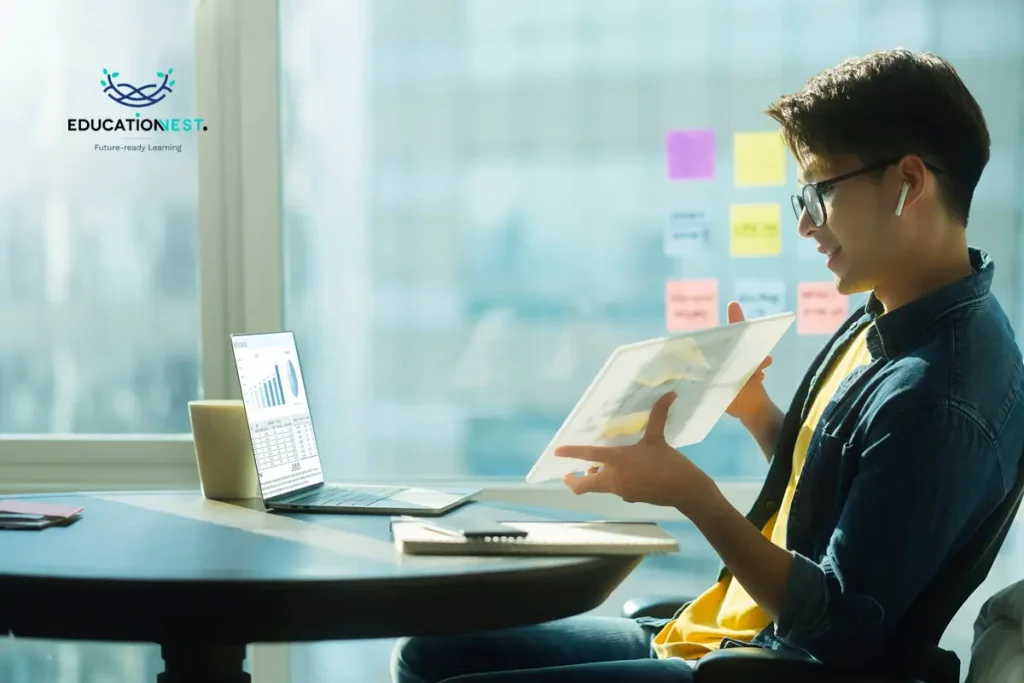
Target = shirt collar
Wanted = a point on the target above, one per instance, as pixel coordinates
(894, 332)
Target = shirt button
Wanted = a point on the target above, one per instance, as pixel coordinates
(770, 505)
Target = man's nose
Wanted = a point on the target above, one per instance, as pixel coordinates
(805, 226)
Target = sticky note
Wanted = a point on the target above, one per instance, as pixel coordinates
(688, 233)
(759, 159)
(691, 154)
(754, 230)
(820, 309)
(691, 304)
(759, 298)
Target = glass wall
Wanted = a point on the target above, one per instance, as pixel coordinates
(483, 198)
(99, 296)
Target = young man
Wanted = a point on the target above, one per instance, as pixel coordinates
(905, 435)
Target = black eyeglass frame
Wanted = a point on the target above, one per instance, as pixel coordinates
(813, 190)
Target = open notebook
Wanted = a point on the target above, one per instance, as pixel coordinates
(543, 538)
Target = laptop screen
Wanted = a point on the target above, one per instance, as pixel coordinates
(280, 425)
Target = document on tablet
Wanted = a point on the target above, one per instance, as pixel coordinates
(706, 368)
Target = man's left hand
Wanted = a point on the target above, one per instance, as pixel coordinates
(650, 471)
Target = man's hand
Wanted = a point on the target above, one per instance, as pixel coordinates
(752, 400)
(650, 471)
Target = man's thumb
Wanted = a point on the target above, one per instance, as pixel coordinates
(734, 312)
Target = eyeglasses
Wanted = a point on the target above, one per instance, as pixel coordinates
(810, 196)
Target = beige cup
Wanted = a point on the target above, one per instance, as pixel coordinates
(227, 470)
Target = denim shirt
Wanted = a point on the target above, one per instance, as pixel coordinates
(911, 455)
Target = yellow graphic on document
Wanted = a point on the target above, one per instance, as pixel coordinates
(681, 359)
(625, 425)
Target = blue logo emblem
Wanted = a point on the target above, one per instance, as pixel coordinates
(128, 95)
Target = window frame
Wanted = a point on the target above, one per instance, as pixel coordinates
(241, 263)
(240, 270)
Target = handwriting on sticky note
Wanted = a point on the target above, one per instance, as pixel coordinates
(754, 230)
(691, 154)
(688, 233)
(759, 159)
(820, 308)
(691, 304)
(760, 298)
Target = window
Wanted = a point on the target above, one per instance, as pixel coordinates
(475, 200)
(98, 263)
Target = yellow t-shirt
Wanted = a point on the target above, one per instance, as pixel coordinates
(725, 609)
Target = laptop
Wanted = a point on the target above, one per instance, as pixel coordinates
(284, 443)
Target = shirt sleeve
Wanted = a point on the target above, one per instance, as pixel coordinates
(927, 477)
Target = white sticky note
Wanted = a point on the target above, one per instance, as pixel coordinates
(688, 233)
(761, 297)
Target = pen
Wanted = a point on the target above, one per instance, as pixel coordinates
(577, 521)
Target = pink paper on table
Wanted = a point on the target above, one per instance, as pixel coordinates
(691, 304)
(820, 309)
(28, 507)
(691, 154)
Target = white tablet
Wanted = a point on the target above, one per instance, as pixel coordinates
(706, 368)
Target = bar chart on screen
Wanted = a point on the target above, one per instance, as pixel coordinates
(280, 424)
(269, 392)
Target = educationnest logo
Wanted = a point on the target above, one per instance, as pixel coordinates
(139, 95)
(128, 95)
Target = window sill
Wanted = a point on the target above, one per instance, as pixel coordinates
(42, 463)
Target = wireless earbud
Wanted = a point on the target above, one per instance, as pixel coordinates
(903, 198)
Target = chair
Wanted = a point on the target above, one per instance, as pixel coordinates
(927, 618)
(997, 652)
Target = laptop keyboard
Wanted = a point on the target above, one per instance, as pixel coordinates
(336, 496)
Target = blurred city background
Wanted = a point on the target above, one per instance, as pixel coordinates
(475, 200)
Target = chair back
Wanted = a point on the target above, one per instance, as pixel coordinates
(918, 634)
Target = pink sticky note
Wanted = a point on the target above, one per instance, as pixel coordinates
(691, 154)
(691, 304)
(820, 309)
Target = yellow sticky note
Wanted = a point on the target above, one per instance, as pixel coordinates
(754, 229)
(759, 159)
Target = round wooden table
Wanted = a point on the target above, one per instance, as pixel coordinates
(205, 578)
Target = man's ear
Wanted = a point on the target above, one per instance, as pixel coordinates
(912, 176)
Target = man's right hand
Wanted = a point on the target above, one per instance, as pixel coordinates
(753, 399)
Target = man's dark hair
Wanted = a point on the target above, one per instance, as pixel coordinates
(885, 105)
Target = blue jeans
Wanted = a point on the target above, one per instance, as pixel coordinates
(583, 648)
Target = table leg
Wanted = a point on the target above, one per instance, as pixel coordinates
(203, 664)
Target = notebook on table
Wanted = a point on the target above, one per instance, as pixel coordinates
(543, 538)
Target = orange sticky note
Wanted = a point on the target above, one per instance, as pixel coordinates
(691, 304)
(820, 309)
